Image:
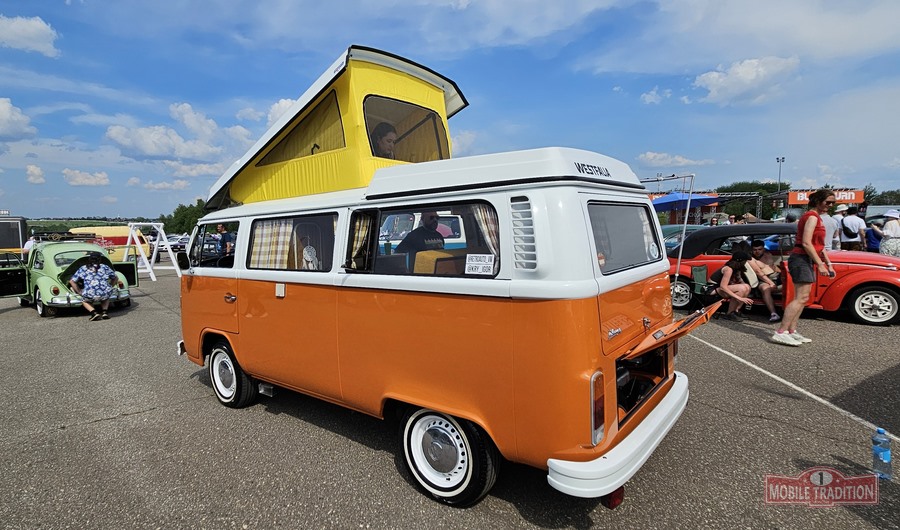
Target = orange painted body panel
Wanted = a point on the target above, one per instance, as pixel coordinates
(519, 368)
(290, 341)
(204, 310)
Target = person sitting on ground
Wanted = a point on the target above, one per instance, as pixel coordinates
(764, 282)
(94, 282)
(383, 138)
(731, 285)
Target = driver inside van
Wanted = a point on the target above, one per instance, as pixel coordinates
(425, 237)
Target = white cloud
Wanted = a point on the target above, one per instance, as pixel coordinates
(249, 114)
(13, 123)
(109, 199)
(463, 141)
(34, 174)
(174, 185)
(81, 178)
(751, 81)
(277, 109)
(133, 181)
(678, 36)
(655, 97)
(161, 141)
(652, 159)
(894, 164)
(28, 34)
(180, 169)
(105, 120)
(195, 122)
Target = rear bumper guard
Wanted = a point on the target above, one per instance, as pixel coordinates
(606, 473)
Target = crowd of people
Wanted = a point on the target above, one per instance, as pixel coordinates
(751, 271)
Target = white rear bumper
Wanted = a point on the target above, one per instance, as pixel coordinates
(605, 474)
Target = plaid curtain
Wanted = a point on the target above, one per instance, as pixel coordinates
(271, 241)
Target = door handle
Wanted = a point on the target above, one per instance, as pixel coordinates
(230, 298)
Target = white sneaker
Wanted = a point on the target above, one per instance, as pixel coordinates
(784, 338)
(800, 338)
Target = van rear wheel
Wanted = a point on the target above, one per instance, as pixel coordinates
(232, 386)
(453, 460)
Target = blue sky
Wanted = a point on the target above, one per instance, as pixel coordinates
(131, 107)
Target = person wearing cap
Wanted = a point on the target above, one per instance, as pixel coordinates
(807, 257)
(890, 242)
(853, 231)
(94, 282)
(731, 284)
(839, 213)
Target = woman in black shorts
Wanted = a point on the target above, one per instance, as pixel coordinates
(806, 259)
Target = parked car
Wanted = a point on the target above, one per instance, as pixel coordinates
(672, 233)
(865, 283)
(43, 281)
(180, 244)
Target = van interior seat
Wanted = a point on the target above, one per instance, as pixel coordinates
(427, 260)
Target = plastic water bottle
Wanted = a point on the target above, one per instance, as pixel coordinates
(881, 455)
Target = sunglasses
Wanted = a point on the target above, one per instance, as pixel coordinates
(829, 203)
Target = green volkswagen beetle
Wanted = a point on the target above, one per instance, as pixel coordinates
(42, 277)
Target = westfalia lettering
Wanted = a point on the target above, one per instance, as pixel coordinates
(589, 169)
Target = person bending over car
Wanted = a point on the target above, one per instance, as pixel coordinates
(97, 279)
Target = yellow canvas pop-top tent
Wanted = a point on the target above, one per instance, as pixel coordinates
(327, 141)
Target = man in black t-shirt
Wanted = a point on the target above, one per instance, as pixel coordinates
(425, 237)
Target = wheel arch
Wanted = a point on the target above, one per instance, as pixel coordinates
(212, 337)
(839, 293)
(394, 408)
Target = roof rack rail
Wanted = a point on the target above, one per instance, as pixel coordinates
(63, 236)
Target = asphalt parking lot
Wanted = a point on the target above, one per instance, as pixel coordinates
(105, 427)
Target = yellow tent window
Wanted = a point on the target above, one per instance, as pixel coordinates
(419, 131)
(319, 131)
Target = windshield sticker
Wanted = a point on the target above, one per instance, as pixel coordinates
(480, 264)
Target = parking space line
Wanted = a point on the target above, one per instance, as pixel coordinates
(871, 426)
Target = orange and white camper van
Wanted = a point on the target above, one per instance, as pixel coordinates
(546, 337)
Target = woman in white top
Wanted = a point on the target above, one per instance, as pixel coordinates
(890, 243)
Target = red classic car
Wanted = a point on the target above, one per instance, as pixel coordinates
(865, 283)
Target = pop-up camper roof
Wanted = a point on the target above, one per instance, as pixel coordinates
(324, 142)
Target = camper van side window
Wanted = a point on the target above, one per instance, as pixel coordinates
(302, 243)
(214, 245)
(439, 240)
(624, 236)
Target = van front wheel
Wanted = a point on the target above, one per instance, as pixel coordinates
(233, 387)
(453, 460)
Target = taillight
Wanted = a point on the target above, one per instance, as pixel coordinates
(597, 407)
(54, 290)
